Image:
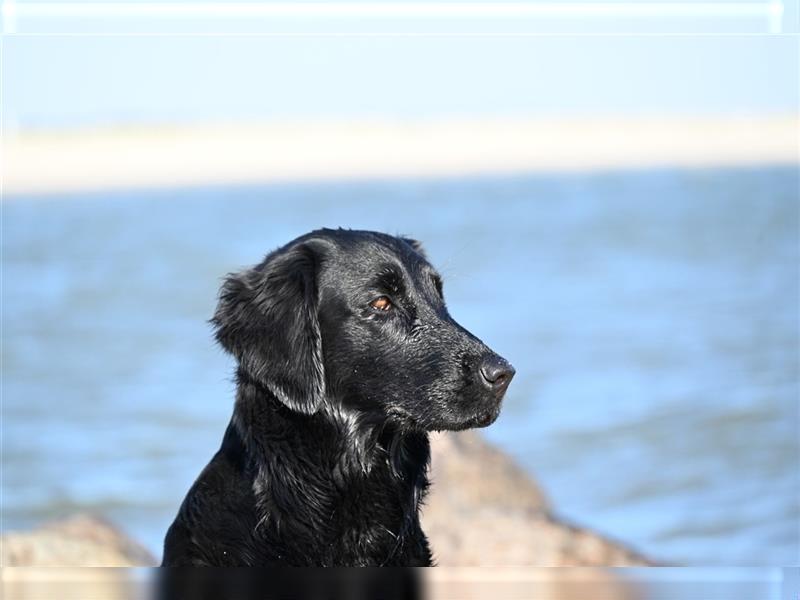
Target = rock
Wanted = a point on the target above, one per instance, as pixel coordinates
(484, 510)
(79, 541)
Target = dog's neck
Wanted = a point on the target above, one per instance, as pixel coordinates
(297, 484)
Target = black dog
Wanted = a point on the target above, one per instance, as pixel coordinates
(347, 358)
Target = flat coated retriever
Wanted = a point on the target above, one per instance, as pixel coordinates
(347, 358)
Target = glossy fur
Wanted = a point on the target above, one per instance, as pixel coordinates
(324, 462)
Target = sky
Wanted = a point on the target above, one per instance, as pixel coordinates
(54, 81)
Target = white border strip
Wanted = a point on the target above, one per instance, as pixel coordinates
(771, 10)
(394, 9)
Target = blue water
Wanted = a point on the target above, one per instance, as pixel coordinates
(652, 317)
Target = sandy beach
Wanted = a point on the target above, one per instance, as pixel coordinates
(144, 157)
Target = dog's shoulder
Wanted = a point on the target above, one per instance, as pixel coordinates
(217, 516)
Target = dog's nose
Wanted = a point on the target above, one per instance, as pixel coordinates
(496, 372)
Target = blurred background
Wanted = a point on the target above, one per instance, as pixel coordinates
(614, 209)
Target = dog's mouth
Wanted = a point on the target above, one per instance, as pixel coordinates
(488, 416)
(482, 415)
(482, 418)
(487, 411)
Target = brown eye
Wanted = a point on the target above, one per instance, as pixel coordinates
(381, 303)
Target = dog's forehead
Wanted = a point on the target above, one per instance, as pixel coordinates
(366, 254)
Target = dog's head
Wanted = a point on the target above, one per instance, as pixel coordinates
(356, 321)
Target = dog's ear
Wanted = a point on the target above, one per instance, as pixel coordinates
(267, 318)
(416, 246)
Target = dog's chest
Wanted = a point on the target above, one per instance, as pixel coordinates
(369, 522)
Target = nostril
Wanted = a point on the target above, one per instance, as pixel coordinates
(489, 373)
(496, 372)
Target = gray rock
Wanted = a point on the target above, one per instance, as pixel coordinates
(79, 541)
(484, 510)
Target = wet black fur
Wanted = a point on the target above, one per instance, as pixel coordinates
(325, 459)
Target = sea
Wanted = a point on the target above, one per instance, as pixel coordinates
(651, 315)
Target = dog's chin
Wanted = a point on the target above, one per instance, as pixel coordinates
(483, 419)
(477, 420)
(482, 415)
(487, 418)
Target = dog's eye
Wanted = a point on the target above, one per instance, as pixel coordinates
(381, 303)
